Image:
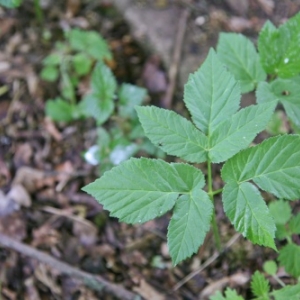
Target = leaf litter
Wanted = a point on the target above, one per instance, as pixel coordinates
(42, 170)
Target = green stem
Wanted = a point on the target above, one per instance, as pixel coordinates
(38, 11)
(211, 196)
(279, 280)
(216, 192)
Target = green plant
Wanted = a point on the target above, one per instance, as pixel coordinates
(260, 288)
(139, 190)
(16, 3)
(70, 62)
(105, 103)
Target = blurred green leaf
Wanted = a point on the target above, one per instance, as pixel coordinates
(289, 258)
(82, 64)
(11, 3)
(49, 73)
(281, 211)
(270, 267)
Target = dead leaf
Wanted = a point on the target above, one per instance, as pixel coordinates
(23, 155)
(147, 291)
(31, 292)
(52, 130)
(238, 279)
(13, 225)
(31, 179)
(86, 232)
(240, 7)
(7, 206)
(44, 276)
(267, 6)
(19, 195)
(238, 24)
(154, 78)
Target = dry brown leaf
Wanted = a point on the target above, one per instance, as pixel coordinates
(86, 232)
(238, 24)
(13, 225)
(23, 155)
(31, 179)
(147, 291)
(240, 7)
(154, 78)
(238, 279)
(43, 275)
(7, 206)
(267, 6)
(52, 130)
(19, 195)
(31, 292)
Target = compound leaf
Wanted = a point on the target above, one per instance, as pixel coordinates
(289, 258)
(99, 104)
(192, 214)
(240, 56)
(211, 94)
(290, 292)
(279, 48)
(260, 286)
(129, 96)
(249, 213)
(139, 190)
(294, 224)
(274, 165)
(236, 133)
(229, 295)
(173, 134)
(11, 3)
(281, 211)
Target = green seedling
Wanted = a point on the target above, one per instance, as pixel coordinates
(16, 3)
(139, 190)
(260, 287)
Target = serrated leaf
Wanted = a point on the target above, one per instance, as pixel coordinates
(173, 134)
(49, 73)
(279, 48)
(270, 267)
(229, 295)
(289, 292)
(59, 110)
(211, 93)
(274, 165)
(53, 59)
(100, 104)
(260, 286)
(139, 190)
(82, 64)
(192, 214)
(129, 96)
(286, 91)
(289, 258)
(235, 134)
(90, 42)
(239, 55)
(11, 3)
(294, 224)
(249, 213)
(281, 211)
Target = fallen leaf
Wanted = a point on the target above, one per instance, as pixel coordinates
(19, 195)
(147, 291)
(267, 6)
(154, 78)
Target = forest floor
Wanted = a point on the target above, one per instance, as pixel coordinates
(56, 242)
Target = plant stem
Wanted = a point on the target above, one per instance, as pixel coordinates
(216, 192)
(38, 11)
(211, 196)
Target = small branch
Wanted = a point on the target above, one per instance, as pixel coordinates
(176, 58)
(94, 282)
(216, 192)
(207, 262)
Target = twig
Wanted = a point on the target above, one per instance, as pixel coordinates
(207, 262)
(176, 58)
(94, 282)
